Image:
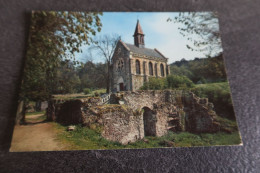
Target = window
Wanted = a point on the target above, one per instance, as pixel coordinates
(162, 70)
(137, 67)
(120, 64)
(150, 69)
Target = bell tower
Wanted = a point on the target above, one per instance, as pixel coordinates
(139, 36)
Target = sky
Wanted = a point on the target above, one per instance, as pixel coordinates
(160, 34)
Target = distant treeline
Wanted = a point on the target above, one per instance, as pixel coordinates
(201, 70)
(74, 79)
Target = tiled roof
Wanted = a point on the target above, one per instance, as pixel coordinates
(145, 51)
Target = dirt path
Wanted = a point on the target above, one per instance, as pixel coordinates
(36, 135)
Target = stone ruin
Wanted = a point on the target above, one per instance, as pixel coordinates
(132, 115)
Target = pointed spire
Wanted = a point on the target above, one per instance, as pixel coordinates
(138, 29)
(138, 36)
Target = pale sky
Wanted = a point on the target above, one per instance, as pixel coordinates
(159, 34)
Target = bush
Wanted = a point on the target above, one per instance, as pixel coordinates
(96, 94)
(219, 95)
(155, 84)
(176, 81)
(86, 91)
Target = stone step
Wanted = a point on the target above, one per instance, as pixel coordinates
(173, 119)
(171, 127)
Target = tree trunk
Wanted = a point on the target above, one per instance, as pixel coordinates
(20, 114)
(108, 77)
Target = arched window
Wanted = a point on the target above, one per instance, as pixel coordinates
(155, 70)
(144, 67)
(150, 69)
(162, 70)
(137, 67)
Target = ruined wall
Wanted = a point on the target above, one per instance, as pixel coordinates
(117, 122)
(199, 114)
(133, 115)
(175, 110)
(157, 101)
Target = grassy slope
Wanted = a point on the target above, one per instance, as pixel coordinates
(84, 138)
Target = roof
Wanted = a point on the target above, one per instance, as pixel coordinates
(138, 29)
(144, 51)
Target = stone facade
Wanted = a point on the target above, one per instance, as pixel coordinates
(132, 65)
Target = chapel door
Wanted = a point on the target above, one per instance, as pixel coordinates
(121, 86)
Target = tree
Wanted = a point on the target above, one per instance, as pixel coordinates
(105, 46)
(53, 37)
(202, 29)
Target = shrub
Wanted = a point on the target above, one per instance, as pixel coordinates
(155, 84)
(219, 95)
(86, 91)
(96, 94)
(176, 81)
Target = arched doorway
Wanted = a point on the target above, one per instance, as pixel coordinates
(149, 118)
(120, 84)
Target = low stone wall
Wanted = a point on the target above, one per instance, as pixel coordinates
(133, 115)
(117, 122)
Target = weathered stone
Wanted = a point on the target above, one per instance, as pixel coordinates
(144, 113)
(71, 128)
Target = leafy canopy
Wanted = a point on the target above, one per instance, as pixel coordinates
(202, 29)
(54, 36)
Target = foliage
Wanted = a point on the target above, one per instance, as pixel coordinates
(84, 138)
(67, 79)
(172, 81)
(54, 36)
(92, 75)
(175, 81)
(86, 91)
(155, 84)
(219, 95)
(202, 29)
(201, 70)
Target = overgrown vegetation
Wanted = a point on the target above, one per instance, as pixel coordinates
(170, 82)
(84, 138)
(219, 95)
(34, 113)
(92, 93)
(201, 70)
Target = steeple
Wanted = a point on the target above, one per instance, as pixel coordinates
(139, 36)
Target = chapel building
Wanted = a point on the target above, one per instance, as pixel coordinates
(134, 64)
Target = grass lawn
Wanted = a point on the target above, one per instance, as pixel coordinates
(84, 138)
(79, 95)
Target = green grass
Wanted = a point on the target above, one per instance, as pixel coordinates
(84, 138)
(219, 95)
(34, 113)
(79, 95)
